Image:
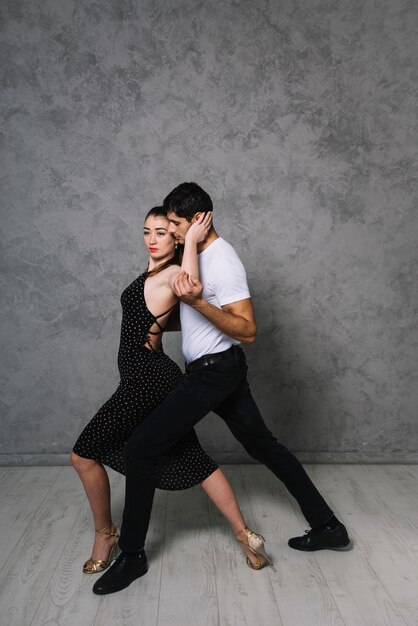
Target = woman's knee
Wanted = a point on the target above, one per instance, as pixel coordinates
(80, 463)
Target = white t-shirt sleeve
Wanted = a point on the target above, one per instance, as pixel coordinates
(230, 280)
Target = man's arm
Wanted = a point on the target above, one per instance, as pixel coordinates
(236, 320)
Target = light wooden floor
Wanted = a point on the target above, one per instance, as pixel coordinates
(197, 574)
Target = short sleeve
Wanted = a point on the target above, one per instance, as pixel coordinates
(230, 281)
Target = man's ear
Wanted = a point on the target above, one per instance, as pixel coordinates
(197, 215)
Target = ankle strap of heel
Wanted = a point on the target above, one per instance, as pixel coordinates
(114, 530)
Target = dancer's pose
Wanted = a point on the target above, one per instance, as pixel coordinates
(216, 314)
(147, 376)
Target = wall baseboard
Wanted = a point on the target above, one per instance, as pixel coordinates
(236, 457)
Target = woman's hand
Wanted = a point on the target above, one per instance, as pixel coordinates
(199, 230)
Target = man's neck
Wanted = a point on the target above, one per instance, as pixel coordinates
(212, 236)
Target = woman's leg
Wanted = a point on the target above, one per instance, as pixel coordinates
(96, 484)
(218, 488)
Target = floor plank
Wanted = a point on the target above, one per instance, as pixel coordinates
(244, 595)
(412, 469)
(410, 616)
(391, 542)
(28, 570)
(301, 589)
(8, 475)
(68, 597)
(197, 571)
(387, 537)
(361, 595)
(20, 499)
(188, 590)
(138, 604)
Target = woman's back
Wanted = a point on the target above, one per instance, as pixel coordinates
(146, 306)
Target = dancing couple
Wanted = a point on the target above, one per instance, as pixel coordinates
(146, 429)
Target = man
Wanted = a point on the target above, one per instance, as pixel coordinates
(216, 315)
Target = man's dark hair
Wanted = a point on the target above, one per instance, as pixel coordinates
(188, 199)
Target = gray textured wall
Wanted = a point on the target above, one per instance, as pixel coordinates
(300, 118)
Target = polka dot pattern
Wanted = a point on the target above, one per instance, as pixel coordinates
(147, 377)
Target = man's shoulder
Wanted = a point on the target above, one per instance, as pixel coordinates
(223, 268)
(222, 249)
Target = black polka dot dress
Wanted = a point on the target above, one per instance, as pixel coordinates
(146, 377)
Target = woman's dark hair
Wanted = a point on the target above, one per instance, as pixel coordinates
(156, 211)
(188, 199)
(160, 211)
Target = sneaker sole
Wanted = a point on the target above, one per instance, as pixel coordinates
(346, 548)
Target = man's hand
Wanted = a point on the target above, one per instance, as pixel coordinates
(235, 319)
(188, 289)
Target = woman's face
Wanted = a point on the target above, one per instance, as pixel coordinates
(159, 241)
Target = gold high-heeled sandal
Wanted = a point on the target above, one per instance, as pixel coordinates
(255, 543)
(94, 566)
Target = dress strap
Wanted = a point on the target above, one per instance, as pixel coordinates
(156, 332)
(155, 319)
(165, 313)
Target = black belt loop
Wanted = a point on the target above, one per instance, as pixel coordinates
(210, 359)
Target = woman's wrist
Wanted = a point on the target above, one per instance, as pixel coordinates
(191, 240)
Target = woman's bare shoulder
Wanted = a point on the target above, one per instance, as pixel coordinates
(167, 275)
(174, 269)
(171, 272)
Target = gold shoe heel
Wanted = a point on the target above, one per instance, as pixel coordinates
(94, 566)
(255, 543)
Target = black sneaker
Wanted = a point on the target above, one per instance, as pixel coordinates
(126, 569)
(322, 538)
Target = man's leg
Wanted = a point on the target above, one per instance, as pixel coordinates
(196, 395)
(242, 416)
(167, 423)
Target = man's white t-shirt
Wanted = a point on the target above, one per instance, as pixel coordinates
(224, 281)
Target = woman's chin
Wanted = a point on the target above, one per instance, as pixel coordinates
(159, 257)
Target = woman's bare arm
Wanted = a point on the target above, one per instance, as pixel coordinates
(196, 234)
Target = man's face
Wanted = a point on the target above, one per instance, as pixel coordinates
(178, 226)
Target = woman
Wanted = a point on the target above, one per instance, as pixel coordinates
(147, 376)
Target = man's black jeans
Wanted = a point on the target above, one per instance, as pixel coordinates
(223, 388)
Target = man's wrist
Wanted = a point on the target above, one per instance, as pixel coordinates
(199, 303)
